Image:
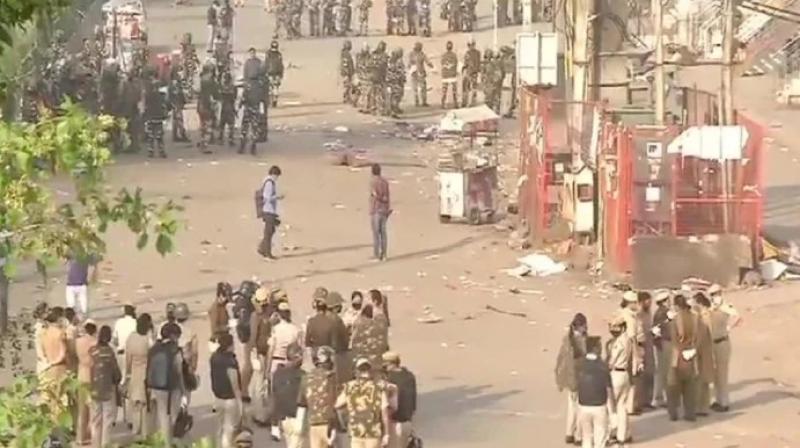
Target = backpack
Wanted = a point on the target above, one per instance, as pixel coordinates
(242, 310)
(105, 373)
(259, 198)
(161, 374)
(406, 394)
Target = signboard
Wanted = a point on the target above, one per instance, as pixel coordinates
(537, 59)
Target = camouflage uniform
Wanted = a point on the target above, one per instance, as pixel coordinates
(509, 64)
(281, 17)
(346, 71)
(363, 17)
(379, 66)
(394, 16)
(177, 102)
(424, 15)
(362, 73)
(340, 18)
(471, 71)
(492, 81)
(468, 15)
(370, 340)
(155, 113)
(227, 113)
(396, 79)
(449, 75)
(454, 15)
(274, 66)
(364, 399)
(328, 28)
(318, 395)
(417, 62)
(294, 19)
(313, 17)
(251, 103)
(410, 8)
(206, 109)
(130, 97)
(189, 64)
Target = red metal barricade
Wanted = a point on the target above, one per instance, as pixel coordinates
(546, 146)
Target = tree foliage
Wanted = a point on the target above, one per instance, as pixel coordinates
(20, 13)
(26, 421)
(46, 224)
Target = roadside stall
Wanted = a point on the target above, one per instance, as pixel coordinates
(467, 186)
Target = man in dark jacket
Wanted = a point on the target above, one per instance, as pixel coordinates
(573, 349)
(285, 391)
(405, 393)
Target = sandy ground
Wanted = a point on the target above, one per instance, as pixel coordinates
(486, 379)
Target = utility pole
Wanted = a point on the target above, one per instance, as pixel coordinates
(659, 87)
(494, 25)
(727, 112)
(581, 11)
(728, 54)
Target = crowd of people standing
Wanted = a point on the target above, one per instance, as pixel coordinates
(356, 394)
(670, 354)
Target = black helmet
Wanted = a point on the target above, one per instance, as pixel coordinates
(348, 45)
(248, 288)
(449, 45)
(273, 45)
(418, 46)
(381, 47)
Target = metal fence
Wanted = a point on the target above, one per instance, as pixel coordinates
(547, 144)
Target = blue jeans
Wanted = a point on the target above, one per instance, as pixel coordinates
(379, 239)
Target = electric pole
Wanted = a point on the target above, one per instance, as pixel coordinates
(728, 54)
(658, 81)
(581, 15)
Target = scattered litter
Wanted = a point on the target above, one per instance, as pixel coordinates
(213, 163)
(292, 103)
(339, 206)
(342, 129)
(772, 269)
(422, 274)
(443, 345)
(514, 373)
(432, 257)
(525, 291)
(205, 243)
(509, 313)
(430, 319)
(784, 149)
(106, 282)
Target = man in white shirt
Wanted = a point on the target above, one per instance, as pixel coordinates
(124, 327)
(284, 334)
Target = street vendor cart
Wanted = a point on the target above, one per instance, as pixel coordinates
(467, 186)
(470, 123)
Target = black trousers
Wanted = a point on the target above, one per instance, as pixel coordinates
(270, 224)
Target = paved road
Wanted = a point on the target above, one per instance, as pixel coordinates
(486, 378)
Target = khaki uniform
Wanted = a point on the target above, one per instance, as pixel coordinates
(682, 375)
(720, 318)
(620, 355)
(705, 361)
(635, 332)
(643, 385)
(83, 345)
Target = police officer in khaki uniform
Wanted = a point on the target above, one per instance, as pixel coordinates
(318, 398)
(724, 318)
(619, 352)
(633, 328)
(368, 409)
(662, 343)
(643, 386)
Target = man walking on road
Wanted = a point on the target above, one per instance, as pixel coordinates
(405, 384)
(226, 385)
(165, 378)
(106, 376)
(78, 285)
(268, 205)
(379, 210)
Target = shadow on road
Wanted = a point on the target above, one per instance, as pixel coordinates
(440, 410)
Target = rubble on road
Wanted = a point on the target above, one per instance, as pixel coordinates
(429, 317)
(342, 154)
(507, 313)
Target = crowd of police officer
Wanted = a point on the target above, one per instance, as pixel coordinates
(374, 81)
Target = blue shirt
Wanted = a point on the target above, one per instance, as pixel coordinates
(270, 194)
(77, 273)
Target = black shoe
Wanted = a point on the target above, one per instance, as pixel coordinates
(569, 440)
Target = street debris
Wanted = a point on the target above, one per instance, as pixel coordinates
(508, 313)
(536, 265)
(342, 129)
(772, 269)
(430, 318)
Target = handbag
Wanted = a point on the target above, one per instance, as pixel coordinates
(183, 423)
(414, 441)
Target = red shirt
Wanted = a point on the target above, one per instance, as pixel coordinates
(379, 196)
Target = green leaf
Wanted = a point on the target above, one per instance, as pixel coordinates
(142, 242)
(163, 244)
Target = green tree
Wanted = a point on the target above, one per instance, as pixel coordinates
(34, 224)
(16, 14)
(25, 420)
